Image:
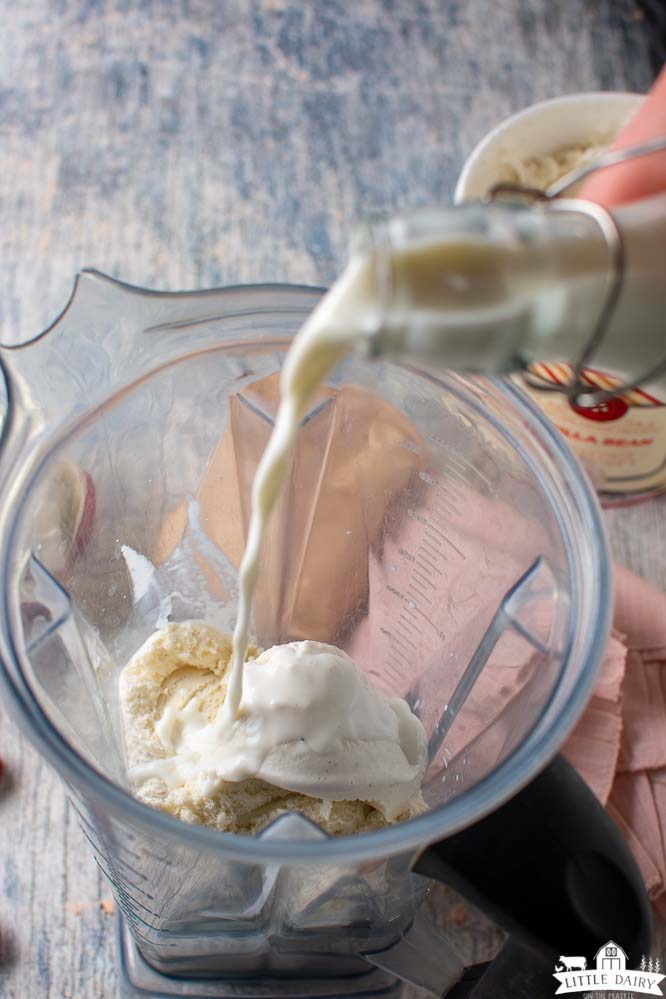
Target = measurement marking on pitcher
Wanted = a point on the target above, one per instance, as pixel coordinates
(394, 666)
(404, 620)
(401, 627)
(442, 516)
(453, 462)
(407, 623)
(413, 609)
(395, 636)
(447, 541)
(426, 569)
(394, 673)
(427, 619)
(455, 548)
(427, 546)
(431, 533)
(399, 651)
(420, 583)
(394, 660)
(433, 523)
(422, 576)
(410, 638)
(457, 476)
(452, 505)
(417, 595)
(434, 540)
(455, 466)
(463, 477)
(449, 460)
(444, 484)
(403, 643)
(129, 897)
(426, 564)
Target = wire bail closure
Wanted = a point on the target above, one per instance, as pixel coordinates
(577, 390)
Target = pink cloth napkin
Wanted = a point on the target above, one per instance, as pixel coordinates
(619, 745)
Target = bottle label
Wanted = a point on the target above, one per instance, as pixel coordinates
(621, 443)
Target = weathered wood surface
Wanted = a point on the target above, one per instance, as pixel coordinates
(196, 143)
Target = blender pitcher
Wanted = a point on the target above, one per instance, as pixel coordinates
(434, 526)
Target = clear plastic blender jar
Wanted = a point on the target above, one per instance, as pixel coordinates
(434, 526)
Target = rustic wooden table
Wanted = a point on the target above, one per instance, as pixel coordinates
(194, 143)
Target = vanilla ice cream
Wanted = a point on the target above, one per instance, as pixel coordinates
(542, 171)
(311, 735)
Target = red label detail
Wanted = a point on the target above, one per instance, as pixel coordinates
(613, 409)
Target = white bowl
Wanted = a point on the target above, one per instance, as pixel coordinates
(542, 129)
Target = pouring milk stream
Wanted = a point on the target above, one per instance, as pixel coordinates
(316, 350)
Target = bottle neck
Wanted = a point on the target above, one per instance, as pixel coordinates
(488, 288)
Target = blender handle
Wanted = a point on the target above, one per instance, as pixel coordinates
(552, 869)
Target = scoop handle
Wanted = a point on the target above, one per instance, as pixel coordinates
(552, 869)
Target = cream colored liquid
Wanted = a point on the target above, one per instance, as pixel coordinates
(314, 353)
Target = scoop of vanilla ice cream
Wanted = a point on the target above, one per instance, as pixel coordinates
(310, 721)
(311, 735)
(540, 172)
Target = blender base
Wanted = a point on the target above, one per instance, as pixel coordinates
(138, 980)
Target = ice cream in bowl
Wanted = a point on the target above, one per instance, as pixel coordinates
(541, 143)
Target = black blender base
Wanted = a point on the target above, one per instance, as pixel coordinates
(138, 980)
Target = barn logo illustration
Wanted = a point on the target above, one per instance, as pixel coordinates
(610, 975)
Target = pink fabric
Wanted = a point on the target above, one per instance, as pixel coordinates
(619, 745)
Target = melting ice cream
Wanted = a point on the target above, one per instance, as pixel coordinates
(311, 734)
